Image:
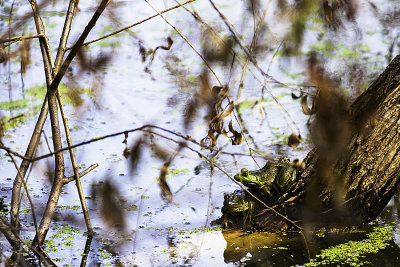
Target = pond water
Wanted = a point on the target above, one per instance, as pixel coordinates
(122, 95)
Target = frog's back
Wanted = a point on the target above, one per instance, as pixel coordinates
(270, 171)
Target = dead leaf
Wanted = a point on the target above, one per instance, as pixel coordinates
(295, 97)
(3, 55)
(237, 137)
(262, 113)
(166, 193)
(25, 55)
(126, 138)
(126, 153)
(294, 140)
(135, 153)
(305, 108)
(111, 210)
(227, 111)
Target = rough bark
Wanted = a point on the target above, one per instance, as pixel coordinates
(355, 185)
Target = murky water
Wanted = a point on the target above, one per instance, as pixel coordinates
(179, 233)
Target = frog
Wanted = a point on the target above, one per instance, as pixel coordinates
(237, 204)
(273, 177)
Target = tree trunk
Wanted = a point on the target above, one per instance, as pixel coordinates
(348, 180)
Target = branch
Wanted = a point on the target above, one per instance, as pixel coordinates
(27, 193)
(10, 41)
(12, 152)
(15, 239)
(84, 172)
(78, 45)
(142, 128)
(65, 33)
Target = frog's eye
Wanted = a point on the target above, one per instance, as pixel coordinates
(244, 172)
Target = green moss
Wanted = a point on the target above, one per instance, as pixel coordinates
(108, 43)
(246, 104)
(50, 246)
(29, 106)
(17, 104)
(56, 236)
(193, 78)
(67, 229)
(325, 47)
(68, 243)
(347, 53)
(353, 252)
(174, 172)
(62, 207)
(132, 208)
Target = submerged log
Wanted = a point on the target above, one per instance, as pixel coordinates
(355, 168)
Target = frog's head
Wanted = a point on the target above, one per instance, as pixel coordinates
(244, 173)
(247, 177)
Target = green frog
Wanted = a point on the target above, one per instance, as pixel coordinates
(237, 204)
(274, 176)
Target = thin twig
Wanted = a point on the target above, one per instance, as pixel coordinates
(11, 41)
(142, 128)
(134, 24)
(84, 172)
(75, 166)
(64, 35)
(188, 42)
(27, 193)
(46, 140)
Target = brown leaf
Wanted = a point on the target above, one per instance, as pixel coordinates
(165, 190)
(213, 139)
(299, 164)
(224, 132)
(305, 108)
(227, 111)
(262, 113)
(189, 112)
(135, 153)
(170, 42)
(216, 90)
(329, 12)
(295, 97)
(237, 137)
(126, 153)
(294, 140)
(224, 92)
(2, 127)
(126, 138)
(159, 152)
(142, 51)
(74, 94)
(111, 210)
(3, 55)
(25, 54)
